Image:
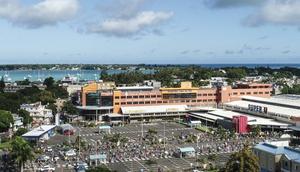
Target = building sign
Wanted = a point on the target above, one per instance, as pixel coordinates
(256, 108)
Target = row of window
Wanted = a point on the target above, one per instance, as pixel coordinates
(249, 93)
(160, 102)
(140, 96)
(155, 96)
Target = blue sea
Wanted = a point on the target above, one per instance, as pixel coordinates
(33, 75)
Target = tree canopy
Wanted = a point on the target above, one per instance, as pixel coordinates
(21, 151)
(69, 108)
(243, 161)
(6, 120)
(27, 119)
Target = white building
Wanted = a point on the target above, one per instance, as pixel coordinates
(18, 122)
(41, 133)
(38, 112)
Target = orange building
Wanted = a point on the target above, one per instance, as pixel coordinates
(113, 98)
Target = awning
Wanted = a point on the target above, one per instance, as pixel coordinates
(187, 149)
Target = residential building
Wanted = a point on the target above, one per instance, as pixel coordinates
(39, 113)
(277, 158)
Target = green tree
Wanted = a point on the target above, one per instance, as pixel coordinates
(27, 119)
(104, 75)
(69, 108)
(2, 85)
(49, 82)
(21, 151)
(53, 107)
(46, 97)
(243, 161)
(255, 130)
(101, 168)
(236, 73)
(21, 131)
(6, 120)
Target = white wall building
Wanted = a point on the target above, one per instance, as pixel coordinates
(38, 112)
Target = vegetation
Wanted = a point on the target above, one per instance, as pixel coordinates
(21, 131)
(6, 120)
(295, 89)
(12, 101)
(69, 108)
(255, 130)
(21, 151)
(27, 119)
(243, 161)
(101, 168)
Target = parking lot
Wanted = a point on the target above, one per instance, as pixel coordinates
(138, 149)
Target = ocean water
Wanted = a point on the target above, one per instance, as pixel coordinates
(33, 75)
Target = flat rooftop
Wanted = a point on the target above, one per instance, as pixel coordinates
(275, 109)
(153, 109)
(287, 100)
(252, 120)
(37, 132)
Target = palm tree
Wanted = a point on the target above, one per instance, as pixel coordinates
(21, 151)
(243, 161)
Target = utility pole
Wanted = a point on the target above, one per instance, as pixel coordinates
(142, 126)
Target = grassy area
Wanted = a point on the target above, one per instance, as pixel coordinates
(5, 145)
(203, 128)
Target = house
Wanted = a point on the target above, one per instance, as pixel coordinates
(38, 112)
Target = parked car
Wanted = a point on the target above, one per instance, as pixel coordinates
(47, 168)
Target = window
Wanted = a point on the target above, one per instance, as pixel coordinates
(141, 102)
(255, 92)
(153, 96)
(159, 101)
(209, 94)
(204, 94)
(135, 103)
(117, 97)
(147, 102)
(261, 93)
(153, 102)
(135, 97)
(129, 97)
(200, 95)
(193, 100)
(235, 93)
(123, 103)
(141, 96)
(123, 97)
(267, 92)
(129, 103)
(158, 96)
(147, 96)
(117, 103)
(242, 93)
(199, 100)
(248, 93)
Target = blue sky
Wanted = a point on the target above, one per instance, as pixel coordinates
(149, 31)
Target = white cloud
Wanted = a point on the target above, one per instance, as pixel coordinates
(123, 27)
(285, 12)
(122, 8)
(231, 3)
(46, 12)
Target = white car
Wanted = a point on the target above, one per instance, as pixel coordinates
(43, 158)
(47, 168)
(71, 153)
(49, 149)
